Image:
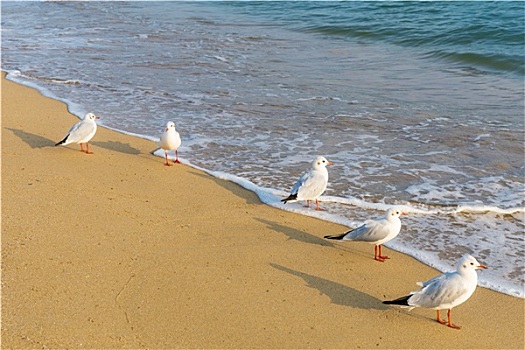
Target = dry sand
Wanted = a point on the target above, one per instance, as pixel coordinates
(115, 250)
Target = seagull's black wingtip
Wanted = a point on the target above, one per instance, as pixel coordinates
(61, 142)
(399, 301)
(291, 197)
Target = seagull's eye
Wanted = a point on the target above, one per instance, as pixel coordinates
(471, 263)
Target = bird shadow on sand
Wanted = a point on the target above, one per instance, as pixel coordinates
(236, 189)
(295, 234)
(117, 146)
(33, 140)
(339, 294)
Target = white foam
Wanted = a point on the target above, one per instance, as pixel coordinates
(220, 58)
(482, 136)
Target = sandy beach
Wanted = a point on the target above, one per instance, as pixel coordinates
(115, 250)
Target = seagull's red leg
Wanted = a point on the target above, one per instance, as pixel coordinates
(81, 148)
(317, 205)
(166, 155)
(176, 157)
(381, 253)
(449, 323)
(87, 148)
(439, 319)
(307, 203)
(377, 256)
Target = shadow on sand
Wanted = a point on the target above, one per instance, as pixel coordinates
(116, 146)
(33, 140)
(295, 234)
(338, 293)
(236, 189)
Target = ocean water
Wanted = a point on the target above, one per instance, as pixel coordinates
(419, 104)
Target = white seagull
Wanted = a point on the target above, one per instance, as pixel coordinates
(311, 184)
(446, 290)
(376, 231)
(170, 140)
(81, 132)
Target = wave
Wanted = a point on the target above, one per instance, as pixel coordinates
(448, 44)
(495, 62)
(487, 34)
(60, 81)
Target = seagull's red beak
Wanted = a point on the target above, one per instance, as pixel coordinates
(330, 163)
(167, 129)
(481, 267)
(97, 117)
(404, 214)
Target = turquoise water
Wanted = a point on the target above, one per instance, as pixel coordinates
(417, 103)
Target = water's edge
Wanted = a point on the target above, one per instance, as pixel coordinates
(272, 197)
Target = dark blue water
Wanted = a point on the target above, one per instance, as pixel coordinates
(481, 35)
(417, 103)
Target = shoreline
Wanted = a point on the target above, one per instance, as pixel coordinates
(272, 197)
(114, 250)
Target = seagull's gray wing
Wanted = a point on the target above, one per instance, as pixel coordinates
(370, 231)
(80, 131)
(443, 289)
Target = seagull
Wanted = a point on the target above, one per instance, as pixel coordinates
(81, 132)
(376, 231)
(446, 290)
(311, 184)
(170, 140)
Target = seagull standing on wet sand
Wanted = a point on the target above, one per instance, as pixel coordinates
(170, 140)
(376, 231)
(445, 291)
(81, 132)
(311, 184)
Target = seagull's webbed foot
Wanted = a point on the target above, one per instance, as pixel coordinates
(449, 321)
